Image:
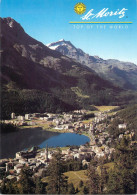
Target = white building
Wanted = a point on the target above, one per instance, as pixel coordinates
(122, 126)
(21, 118)
(13, 115)
(27, 116)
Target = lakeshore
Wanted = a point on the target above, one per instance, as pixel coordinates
(24, 138)
(36, 128)
(14, 142)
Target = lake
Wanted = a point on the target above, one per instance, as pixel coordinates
(65, 139)
(25, 138)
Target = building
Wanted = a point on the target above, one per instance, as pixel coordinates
(13, 115)
(27, 116)
(21, 118)
(122, 126)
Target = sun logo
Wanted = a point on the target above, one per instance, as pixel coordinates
(80, 8)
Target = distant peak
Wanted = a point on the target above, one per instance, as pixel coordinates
(62, 44)
(61, 40)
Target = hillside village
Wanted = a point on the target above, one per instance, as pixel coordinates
(38, 159)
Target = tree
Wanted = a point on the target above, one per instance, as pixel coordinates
(85, 190)
(71, 189)
(103, 179)
(77, 190)
(7, 128)
(122, 179)
(113, 183)
(57, 182)
(39, 186)
(26, 184)
(8, 188)
(80, 183)
(93, 180)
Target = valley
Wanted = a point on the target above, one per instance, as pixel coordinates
(68, 119)
(58, 83)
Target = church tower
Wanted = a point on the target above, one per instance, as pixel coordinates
(46, 152)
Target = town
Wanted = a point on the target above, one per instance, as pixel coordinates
(38, 159)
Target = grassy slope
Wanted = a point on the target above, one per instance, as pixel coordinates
(108, 166)
(106, 108)
(75, 177)
(79, 92)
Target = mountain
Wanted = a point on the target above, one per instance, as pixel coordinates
(123, 74)
(37, 79)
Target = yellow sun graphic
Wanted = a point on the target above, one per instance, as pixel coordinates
(80, 8)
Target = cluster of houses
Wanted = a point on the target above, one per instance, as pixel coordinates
(58, 119)
(101, 138)
(35, 160)
(74, 123)
(128, 134)
(21, 120)
(71, 122)
(38, 159)
(100, 116)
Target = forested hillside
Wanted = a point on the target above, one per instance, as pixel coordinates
(29, 68)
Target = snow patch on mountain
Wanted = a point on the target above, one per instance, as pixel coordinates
(62, 43)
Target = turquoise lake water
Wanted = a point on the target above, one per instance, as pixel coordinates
(17, 141)
(65, 139)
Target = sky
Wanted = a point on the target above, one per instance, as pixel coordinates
(48, 21)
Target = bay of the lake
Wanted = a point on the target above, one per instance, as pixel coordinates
(65, 139)
(25, 138)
